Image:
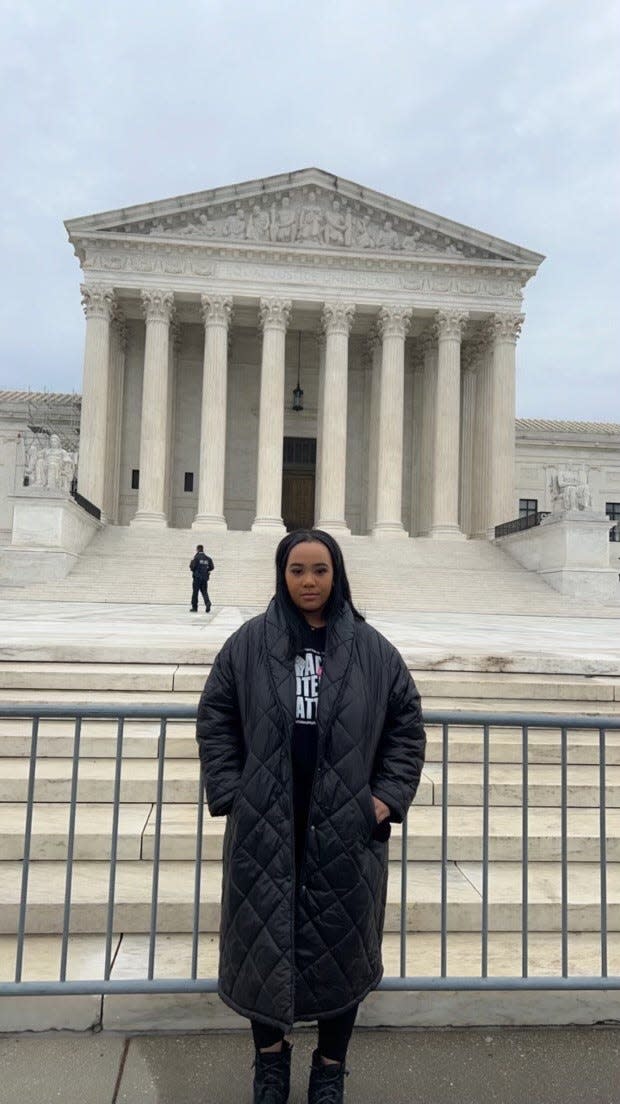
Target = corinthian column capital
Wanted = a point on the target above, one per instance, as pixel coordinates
(98, 301)
(449, 324)
(394, 321)
(275, 313)
(216, 310)
(506, 327)
(158, 305)
(337, 318)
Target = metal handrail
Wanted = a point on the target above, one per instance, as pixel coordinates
(446, 720)
(85, 503)
(518, 525)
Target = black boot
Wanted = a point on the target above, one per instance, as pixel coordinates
(272, 1076)
(326, 1082)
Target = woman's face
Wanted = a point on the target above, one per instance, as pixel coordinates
(309, 577)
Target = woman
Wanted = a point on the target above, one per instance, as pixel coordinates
(311, 742)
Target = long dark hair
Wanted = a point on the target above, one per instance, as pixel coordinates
(341, 590)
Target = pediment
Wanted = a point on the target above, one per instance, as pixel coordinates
(307, 210)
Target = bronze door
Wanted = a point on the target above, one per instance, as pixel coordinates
(298, 499)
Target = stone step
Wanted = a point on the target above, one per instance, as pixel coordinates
(173, 956)
(137, 827)
(465, 783)
(90, 885)
(98, 739)
(191, 679)
(81, 696)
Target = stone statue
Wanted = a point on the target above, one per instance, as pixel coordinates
(68, 469)
(51, 466)
(54, 456)
(32, 457)
(570, 490)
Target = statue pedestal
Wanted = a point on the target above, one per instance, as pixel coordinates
(570, 550)
(49, 532)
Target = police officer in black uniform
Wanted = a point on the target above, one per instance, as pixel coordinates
(201, 567)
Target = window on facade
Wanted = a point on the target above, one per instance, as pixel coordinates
(528, 506)
(612, 509)
(189, 481)
(135, 479)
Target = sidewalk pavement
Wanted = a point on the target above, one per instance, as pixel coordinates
(578, 1065)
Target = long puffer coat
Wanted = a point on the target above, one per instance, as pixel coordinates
(295, 952)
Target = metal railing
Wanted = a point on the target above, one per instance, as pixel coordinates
(85, 503)
(526, 521)
(487, 725)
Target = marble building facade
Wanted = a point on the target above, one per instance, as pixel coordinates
(202, 310)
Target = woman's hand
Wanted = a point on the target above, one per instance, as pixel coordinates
(382, 811)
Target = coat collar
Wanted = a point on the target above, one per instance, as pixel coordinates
(338, 656)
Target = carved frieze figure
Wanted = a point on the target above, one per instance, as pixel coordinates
(364, 239)
(388, 237)
(257, 226)
(310, 222)
(335, 225)
(234, 225)
(283, 222)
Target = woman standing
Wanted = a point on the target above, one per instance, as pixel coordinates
(311, 742)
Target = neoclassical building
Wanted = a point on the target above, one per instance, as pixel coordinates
(207, 314)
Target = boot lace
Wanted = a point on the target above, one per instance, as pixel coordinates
(272, 1084)
(330, 1092)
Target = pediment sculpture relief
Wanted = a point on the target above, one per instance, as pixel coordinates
(307, 218)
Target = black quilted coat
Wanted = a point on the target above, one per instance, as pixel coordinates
(293, 952)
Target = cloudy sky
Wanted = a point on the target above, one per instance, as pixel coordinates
(503, 116)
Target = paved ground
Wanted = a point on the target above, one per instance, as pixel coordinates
(115, 632)
(488, 1066)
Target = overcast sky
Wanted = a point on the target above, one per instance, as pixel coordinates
(501, 115)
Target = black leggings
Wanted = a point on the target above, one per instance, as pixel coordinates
(334, 1035)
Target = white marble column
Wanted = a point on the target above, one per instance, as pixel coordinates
(417, 365)
(470, 354)
(158, 309)
(98, 304)
(393, 326)
(320, 341)
(174, 346)
(216, 314)
(274, 318)
(118, 349)
(428, 344)
(482, 448)
(375, 350)
(505, 331)
(446, 435)
(337, 319)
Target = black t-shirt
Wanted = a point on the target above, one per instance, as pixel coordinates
(308, 671)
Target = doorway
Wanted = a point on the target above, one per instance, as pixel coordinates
(298, 482)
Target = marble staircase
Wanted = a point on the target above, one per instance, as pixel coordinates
(131, 565)
(148, 683)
